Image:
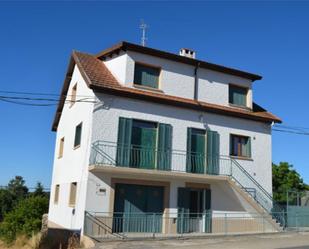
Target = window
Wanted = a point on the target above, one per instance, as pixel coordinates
(73, 94)
(78, 135)
(56, 196)
(61, 146)
(72, 199)
(240, 146)
(146, 75)
(238, 95)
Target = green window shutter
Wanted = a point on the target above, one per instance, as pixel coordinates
(247, 149)
(164, 151)
(124, 142)
(238, 95)
(189, 149)
(213, 152)
(208, 218)
(146, 76)
(183, 203)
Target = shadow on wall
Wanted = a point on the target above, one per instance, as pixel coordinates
(225, 199)
(178, 113)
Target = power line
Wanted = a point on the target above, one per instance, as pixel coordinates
(292, 132)
(28, 101)
(40, 94)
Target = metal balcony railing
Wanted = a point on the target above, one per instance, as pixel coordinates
(133, 156)
(112, 154)
(130, 225)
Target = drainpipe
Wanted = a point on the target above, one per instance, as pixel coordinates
(196, 81)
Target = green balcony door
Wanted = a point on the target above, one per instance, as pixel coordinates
(203, 151)
(196, 147)
(138, 208)
(144, 143)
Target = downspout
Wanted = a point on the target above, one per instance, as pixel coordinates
(196, 81)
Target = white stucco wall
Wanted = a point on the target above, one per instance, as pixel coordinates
(177, 79)
(118, 67)
(73, 166)
(106, 117)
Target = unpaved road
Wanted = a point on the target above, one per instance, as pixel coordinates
(270, 241)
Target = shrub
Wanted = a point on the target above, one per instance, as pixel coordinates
(25, 219)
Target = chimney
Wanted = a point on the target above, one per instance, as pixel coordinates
(187, 53)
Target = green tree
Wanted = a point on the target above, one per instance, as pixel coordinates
(6, 202)
(24, 219)
(285, 178)
(18, 188)
(39, 189)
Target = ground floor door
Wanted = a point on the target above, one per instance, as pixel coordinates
(194, 210)
(138, 208)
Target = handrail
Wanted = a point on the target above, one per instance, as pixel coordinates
(102, 225)
(109, 151)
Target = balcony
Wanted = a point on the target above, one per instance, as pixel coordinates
(113, 157)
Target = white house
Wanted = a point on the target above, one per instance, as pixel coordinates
(154, 142)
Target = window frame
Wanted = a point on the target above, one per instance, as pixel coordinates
(75, 146)
(56, 194)
(246, 89)
(72, 196)
(240, 153)
(73, 95)
(146, 86)
(61, 148)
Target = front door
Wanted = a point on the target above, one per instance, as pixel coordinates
(138, 208)
(194, 210)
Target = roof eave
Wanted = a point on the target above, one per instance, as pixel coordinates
(166, 55)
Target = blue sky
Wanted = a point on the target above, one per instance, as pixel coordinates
(36, 39)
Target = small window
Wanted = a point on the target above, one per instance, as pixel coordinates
(238, 95)
(56, 196)
(61, 146)
(73, 95)
(240, 146)
(78, 135)
(72, 199)
(146, 75)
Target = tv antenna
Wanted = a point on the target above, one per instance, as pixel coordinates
(143, 27)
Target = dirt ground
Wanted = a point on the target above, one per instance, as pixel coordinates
(270, 241)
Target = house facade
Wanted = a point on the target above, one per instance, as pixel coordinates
(154, 142)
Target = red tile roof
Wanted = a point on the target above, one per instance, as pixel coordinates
(99, 78)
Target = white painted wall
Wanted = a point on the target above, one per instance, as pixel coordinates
(105, 127)
(118, 67)
(224, 199)
(73, 166)
(177, 79)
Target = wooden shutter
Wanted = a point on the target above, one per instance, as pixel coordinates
(208, 212)
(164, 151)
(189, 149)
(56, 196)
(146, 76)
(248, 148)
(213, 152)
(238, 95)
(72, 199)
(124, 142)
(183, 210)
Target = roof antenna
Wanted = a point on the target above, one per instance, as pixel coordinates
(143, 27)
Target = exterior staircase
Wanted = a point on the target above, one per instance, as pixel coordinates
(105, 154)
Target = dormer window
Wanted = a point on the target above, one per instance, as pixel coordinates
(238, 95)
(147, 76)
